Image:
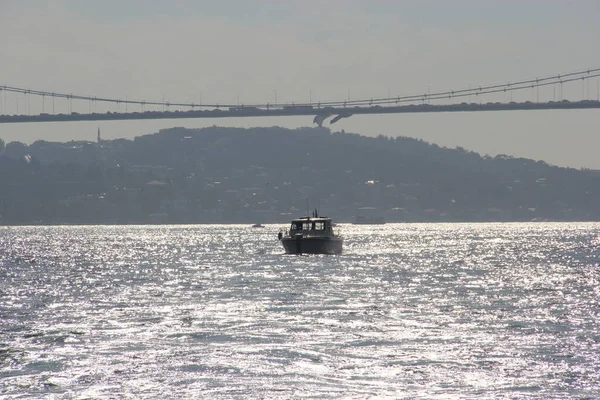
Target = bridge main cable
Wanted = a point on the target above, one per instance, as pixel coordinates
(481, 90)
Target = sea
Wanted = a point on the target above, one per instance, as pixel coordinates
(408, 311)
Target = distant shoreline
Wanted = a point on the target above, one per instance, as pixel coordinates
(266, 175)
(279, 224)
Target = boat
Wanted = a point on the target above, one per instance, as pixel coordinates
(362, 220)
(311, 235)
(258, 226)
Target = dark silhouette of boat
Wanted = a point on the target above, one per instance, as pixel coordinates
(311, 235)
(258, 225)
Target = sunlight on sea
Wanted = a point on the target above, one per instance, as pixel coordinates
(218, 311)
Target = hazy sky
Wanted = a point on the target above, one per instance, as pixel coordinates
(259, 51)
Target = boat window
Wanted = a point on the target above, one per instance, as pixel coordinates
(295, 227)
(319, 226)
(306, 226)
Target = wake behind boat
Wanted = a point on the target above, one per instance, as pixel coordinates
(311, 235)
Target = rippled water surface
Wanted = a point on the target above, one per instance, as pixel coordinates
(218, 311)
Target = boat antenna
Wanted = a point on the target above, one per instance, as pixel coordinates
(307, 207)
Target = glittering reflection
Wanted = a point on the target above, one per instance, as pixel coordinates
(409, 311)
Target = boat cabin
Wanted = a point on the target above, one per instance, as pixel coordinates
(313, 225)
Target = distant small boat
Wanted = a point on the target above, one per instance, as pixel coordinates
(362, 220)
(258, 226)
(311, 235)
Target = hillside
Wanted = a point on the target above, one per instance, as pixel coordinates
(267, 174)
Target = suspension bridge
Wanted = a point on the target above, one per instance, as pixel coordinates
(442, 101)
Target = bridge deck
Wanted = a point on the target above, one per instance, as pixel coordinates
(240, 112)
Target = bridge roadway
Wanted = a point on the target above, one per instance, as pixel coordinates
(324, 112)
